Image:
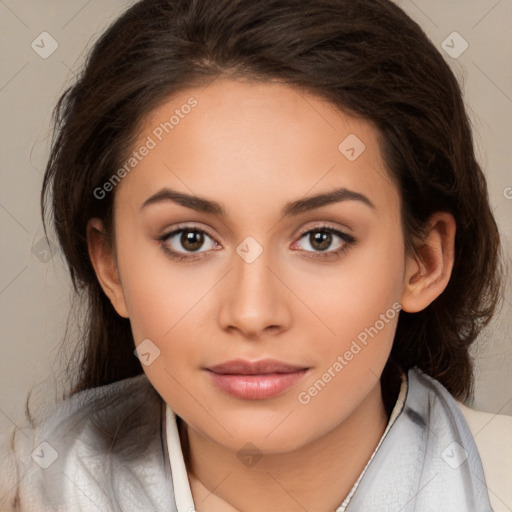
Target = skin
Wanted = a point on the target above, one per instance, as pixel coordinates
(253, 148)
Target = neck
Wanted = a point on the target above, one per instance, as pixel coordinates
(317, 476)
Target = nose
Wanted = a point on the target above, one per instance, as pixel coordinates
(254, 298)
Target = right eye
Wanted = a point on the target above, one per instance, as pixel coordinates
(190, 239)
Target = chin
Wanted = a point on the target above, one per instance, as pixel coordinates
(275, 437)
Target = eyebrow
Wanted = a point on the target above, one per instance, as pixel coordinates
(204, 205)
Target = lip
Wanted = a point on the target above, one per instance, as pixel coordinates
(263, 366)
(257, 380)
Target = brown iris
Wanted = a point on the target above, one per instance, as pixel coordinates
(192, 240)
(320, 240)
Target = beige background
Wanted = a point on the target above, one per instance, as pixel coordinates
(34, 290)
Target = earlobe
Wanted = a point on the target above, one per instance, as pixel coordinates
(104, 262)
(428, 270)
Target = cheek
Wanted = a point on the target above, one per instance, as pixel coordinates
(158, 291)
(359, 316)
(163, 301)
(352, 296)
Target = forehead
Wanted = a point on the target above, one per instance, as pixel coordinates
(255, 142)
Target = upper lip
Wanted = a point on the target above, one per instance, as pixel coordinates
(265, 366)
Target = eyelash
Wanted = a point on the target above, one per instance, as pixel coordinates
(349, 241)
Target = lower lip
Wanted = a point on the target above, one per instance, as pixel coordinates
(256, 387)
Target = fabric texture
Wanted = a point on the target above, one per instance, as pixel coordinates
(428, 460)
(106, 449)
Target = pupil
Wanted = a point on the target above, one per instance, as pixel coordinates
(192, 240)
(322, 238)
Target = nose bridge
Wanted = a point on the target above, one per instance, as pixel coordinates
(253, 278)
(253, 298)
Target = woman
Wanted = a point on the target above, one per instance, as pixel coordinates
(307, 350)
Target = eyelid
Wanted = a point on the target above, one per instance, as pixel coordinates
(183, 226)
(191, 225)
(325, 225)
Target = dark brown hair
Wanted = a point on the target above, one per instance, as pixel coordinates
(365, 56)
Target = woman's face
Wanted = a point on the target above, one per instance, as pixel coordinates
(261, 270)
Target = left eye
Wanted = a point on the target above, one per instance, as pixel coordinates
(320, 239)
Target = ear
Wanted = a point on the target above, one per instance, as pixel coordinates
(428, 270)
(105, 265)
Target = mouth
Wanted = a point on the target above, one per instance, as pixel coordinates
(255, 380)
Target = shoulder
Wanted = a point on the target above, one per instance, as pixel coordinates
(102, 414)
(84, 442)
(490, 435)
(493, 436)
